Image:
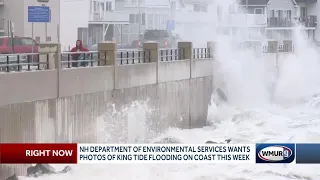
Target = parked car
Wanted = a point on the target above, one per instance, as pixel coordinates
(21, 45)
(163, 37)
(119, 47)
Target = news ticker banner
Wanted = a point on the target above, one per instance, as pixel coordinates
(159, 153)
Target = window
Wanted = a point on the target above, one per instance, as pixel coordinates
(173, 6)
(1, 41)
(48, 39)
(98, 6)
(94, 6)
(200, 8)
(156, 21)
(164, 20)
(156, 34)
(271, 14)
(90, 6)
(303, 13)
(280, 13)
(108, 6)
(150, 21)
(258, 10)
(143, 19)
(132, 18)
(289, 14)
(219, 13)
(196, 7)
(27, 41)
(102, 6)
(16, 42)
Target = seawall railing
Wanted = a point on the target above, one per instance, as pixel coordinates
(21, 62)
(42, 60)
(133, 56)
(280, 48)
(67, 74)
(76, 59)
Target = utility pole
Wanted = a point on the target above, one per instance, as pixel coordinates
(247, 11)
(169, 15)
(139, 12)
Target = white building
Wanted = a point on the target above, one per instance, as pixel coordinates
(274, 19)
(308, 11)
(74, 14)
(245, 20)
(143, 14)
(91, 21)
(106, 22)
(195, 20)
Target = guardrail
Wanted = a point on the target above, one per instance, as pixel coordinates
(23, 62)
(79, 59)
(133, 57)
(92, 58)
(201, 53)
(172, 54)
(43, 61)
(280, 48)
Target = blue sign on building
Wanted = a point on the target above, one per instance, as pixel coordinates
(39, 14)
(171, 24)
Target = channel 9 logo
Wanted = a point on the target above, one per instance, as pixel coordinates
(275, 153)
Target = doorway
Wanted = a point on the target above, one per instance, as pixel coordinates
(258, 10)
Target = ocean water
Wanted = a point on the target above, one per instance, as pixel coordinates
(261, 107)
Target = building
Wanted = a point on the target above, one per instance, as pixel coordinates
(273, 19)
(91, 21)
(106, 23)
(284, 15)
(143, 14)
(194, 20)
(243, 20)
(74, 15)
(17, 12)
(307, 12)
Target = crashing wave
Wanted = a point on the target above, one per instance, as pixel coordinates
(172, 140)
(40, 170)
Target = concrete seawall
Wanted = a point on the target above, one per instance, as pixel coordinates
(77, 104)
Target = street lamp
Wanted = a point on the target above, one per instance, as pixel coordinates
(139, 12)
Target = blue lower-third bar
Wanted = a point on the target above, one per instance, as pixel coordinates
(307, 153)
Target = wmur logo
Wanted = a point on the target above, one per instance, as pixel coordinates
(275, 153)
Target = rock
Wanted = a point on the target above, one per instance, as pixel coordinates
(40, 169)
(13, 177)
(222, 95)
(65, 169)
(168, 140)
(213, 142)
(30, 171)
(171, 140)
